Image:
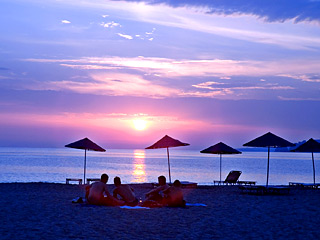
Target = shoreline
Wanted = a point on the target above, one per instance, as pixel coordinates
(44, 211)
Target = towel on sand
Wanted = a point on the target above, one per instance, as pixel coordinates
(195, 205)
(136, 207)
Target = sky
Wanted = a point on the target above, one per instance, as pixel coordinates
(126, 73)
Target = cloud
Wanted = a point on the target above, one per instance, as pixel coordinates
(214, 89)
(298, 99)
(113, 85)
(271, 10)
(165, 77)
(231, 19)
(88, 67)
(268, 10)
(125, 36)
(111, 24)
(65, 21)
(173, 68)
(305, 78)
(212, 86)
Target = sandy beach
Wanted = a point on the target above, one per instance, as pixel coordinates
(45, 211)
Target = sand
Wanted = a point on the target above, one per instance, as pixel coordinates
(45, 211)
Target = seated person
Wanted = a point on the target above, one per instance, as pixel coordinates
(157, 193)
(95, 193)
(173, 196)
(125, 192)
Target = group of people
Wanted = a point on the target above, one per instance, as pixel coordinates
(163, 195)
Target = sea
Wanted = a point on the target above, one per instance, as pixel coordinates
(54, 165)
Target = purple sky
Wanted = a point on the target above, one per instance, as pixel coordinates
(199, 71)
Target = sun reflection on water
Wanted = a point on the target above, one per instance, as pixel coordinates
(139, 166)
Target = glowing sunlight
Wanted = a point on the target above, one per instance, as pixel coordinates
(140, 124)
(139, 166)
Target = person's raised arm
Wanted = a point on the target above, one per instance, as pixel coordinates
(151, 192)
(107, 191)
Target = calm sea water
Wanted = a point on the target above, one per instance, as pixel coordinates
(139, 166)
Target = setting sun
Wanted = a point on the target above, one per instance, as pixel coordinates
(139, 124)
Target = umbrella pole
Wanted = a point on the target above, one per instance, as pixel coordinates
(85, 163)
(268, 166)
(220, 167)
(314, 172)
(169, 164)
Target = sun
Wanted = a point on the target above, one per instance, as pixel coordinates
(140, 124)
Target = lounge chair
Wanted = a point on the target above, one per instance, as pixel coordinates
(264, 190)
(79, 180)
(304, 185)
(184, 184)
(232, 179)
(89, 180)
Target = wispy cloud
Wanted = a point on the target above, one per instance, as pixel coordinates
(298, 99)
(305, 78)
(231, 19)
(88, 66)
(166, 67)
(125, 36)
(210, 86)
(272, 10)
(113, 85)
(65, 21)
(163, 77)
(111, 24)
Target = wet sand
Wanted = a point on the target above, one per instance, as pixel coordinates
(45, 211)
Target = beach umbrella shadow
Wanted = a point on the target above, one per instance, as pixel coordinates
(167, 142)
(220, 148)
(269, 140)
(310, 146)
(87, 145)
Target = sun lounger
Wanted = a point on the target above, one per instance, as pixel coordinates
(232, 179)
(263, 190)
(184, 184)
(89, 180)
(246, 182)
(304, 185)
(68, 180)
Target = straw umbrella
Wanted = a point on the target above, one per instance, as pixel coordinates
(310, 146)
(220, 148)
(167, 142)
(269, 140)
(85, 144)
